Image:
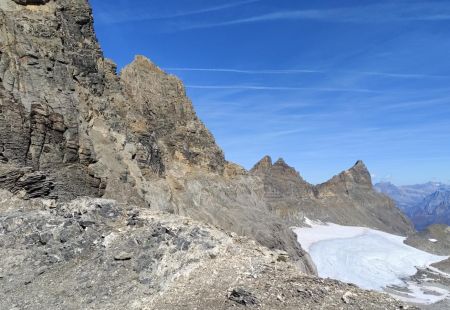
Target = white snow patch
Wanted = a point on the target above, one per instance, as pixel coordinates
(366, 257)
(422, 294)
(433, 240)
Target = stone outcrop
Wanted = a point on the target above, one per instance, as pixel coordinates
(164, 111)
(93, 253)
(49, 61)
(26, 182)
(70, 121)
(346, 199)
(72, 128)
(35, 2)
(434, 239)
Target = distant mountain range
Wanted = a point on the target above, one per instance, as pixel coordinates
(425, 204)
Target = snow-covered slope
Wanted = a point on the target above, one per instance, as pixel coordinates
(368, 258)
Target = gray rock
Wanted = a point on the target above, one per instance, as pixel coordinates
(70, 127)
(26, 2)
(167, 119)
(242, 297)
(112, 265)
(122, 256)
(81, 130)
(347, 199)
(23, 180)
(434, 239)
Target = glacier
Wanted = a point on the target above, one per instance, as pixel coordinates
(368, 258)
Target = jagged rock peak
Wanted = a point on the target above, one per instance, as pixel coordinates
(279, 168)
(356, 175)
(144, 63)
(361, 173)
(263, 165)
(161, 108)
(280, 162)
(360, 165)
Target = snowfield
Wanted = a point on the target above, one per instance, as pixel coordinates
(369, 258)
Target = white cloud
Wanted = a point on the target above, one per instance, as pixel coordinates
(307, 71)
(142, 14)
(283, 88)
(377, 13)
(263, 71)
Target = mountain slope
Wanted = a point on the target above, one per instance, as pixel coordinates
(407, 196)
(433, 209)
(70, 127)
(72, 130)
(346, 199)
(425, 204)
(434, 239)
(93, 253)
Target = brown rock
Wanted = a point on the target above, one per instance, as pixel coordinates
(348, 198)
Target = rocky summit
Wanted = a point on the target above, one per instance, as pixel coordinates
(347, 199)
(115, 195)
(70, 127)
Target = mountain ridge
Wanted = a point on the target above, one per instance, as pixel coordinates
(348, 198)
(72, 127)
(425, 204)
(113, 179)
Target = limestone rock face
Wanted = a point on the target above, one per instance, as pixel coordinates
(70, 127)
(347, 199)
(160, 102)
(72, 131)
(357, 177)
(281, 179)
(49, 62)
(283, 189)
(355, 202)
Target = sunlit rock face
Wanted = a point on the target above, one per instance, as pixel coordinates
(348, 198)
(115, 195)
(70, 126)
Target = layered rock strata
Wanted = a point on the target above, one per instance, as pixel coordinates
(347, 199)
(67, 119)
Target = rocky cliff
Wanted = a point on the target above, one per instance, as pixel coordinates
(70, 126)
(347, 199)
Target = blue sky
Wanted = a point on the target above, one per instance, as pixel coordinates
(319, 83)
